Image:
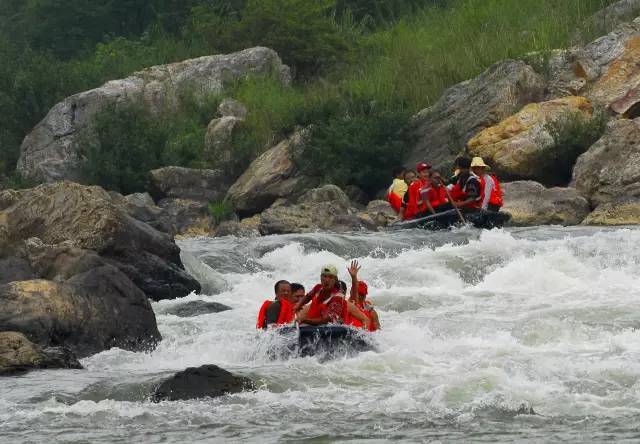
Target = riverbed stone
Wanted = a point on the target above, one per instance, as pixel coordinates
(442, 130)
(207, 381)
(18, 355)
(203, 185)
(50, 151)
(530, 203)
(622, 211)
(196, 308)
(522, 147)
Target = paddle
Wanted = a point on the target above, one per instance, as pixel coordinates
(462, 219)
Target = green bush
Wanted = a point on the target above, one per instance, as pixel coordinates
(355, 146)
(573, 134)
(221, 211)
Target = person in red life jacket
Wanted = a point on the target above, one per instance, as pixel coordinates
(435, 196)
(297, 292)
(489, 185)
(358, 297)
(328, 304)
(280, 311)
(412, 205)
(466, 192)
(397, 190)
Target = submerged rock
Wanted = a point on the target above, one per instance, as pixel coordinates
(521, 146)
(530, 203)
(18, 355)
(443, 129)
(196, 308)
(207, 381)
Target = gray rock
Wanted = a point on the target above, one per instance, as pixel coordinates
(18, 355)
(196, 308)
(271, 176)
(207, 381)
(620, 211)
(442, 130)
(231, 107)
(186, 217)
(15, 269)
(356, 195)
(325, 208)
(49, 152)
(610, 169)
(218, 143)
(201, 185)
(530, 203)
(615, 14)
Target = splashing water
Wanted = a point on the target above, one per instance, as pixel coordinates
(526, 334)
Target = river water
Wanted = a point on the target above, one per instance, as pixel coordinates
(479, 327)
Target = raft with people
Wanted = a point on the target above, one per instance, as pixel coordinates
(423, 199)
(323, 320)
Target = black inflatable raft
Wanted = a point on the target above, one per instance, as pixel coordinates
(446, 219)
(327, 340)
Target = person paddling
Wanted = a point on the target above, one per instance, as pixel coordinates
(359, 291)
(435, 196)
(466, 191)
(280, 311)
(489, 186)
(328, 304)
(412, 205)
(397, 189)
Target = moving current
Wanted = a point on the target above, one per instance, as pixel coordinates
(480, 330)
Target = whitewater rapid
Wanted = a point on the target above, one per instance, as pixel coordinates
(479, 327)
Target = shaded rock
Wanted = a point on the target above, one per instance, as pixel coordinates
(88, 219)
(186, 217)
(356, 195)
(49, 152)
(443, 129)
(90, 312)
(324, 208)
(521, 146)
(188, 183)
(610, 169)
(231, 107)
(248, 227)
(615, 14)
(271, 176)
(141, 206)
(15, 269)
(18, 355)
(196, 308)
(623, 211)
(530, 203)
(218, 143)
(380, 213)
(207, 381)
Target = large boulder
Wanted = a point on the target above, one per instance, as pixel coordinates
(610, 169)
(325, 208)
(271, 176)
(622, 211)
(207, 381)
(18, 355)
(442, 130)
(218, 141)
(89, 219)
(185, 217)
(522, 147)
(49, 152)
(530, 203)
(202, 185)
(606, 71)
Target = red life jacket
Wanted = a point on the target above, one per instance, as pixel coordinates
(395, 201)
(459, 193)
(495, 198)
(286, 316)
(413, 208)
(319, 309)
(437, 196)
(365, 308)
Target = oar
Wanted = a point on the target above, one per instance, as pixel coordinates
(462, 219)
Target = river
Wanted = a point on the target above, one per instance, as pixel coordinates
(478, 327)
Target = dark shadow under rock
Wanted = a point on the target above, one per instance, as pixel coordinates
(207, 381)
(196, 308)
(19, 355)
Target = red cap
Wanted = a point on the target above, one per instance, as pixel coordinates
(363, 290)
(423, 166)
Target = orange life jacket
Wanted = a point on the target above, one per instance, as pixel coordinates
(319, 309)
(365, 308)
(286, 316)
(495, 198)
(413, 208)
(395, 201)
(437, 196)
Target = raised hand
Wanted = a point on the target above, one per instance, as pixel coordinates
(354, 269)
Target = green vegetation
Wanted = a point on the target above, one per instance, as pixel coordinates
(221, 211)
(362, 68)
(572, 135)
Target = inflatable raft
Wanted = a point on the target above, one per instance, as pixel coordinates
(326, 339)
(479, 219)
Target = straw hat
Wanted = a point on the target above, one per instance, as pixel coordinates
(478, 162)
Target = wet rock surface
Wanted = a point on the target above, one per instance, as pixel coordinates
(19, 355)
(207, 381)
(196, 308)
